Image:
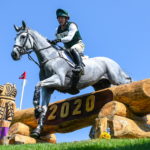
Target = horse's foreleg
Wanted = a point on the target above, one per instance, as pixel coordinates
(46, 93)
(36, 101)
(47, 86)
(53, 81)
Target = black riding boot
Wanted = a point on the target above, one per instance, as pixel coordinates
(78, 61)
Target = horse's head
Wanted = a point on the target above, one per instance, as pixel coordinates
(23, 42)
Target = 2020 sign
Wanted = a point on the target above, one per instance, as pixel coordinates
(76, 108)
(66, 111)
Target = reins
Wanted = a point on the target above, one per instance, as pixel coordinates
(40, 65)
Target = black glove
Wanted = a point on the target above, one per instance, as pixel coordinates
(54, 42)
(49, 41)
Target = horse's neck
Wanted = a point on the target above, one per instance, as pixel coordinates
(41, 47)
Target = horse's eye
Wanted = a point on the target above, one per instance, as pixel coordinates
(22, 37)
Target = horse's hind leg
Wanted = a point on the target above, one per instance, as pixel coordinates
(101, 84)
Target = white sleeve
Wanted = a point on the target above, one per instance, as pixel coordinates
(71, 33)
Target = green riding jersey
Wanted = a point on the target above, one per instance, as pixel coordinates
(64, 33)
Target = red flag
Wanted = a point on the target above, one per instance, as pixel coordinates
(23, 76)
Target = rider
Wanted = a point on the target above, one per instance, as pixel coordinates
(68, 33)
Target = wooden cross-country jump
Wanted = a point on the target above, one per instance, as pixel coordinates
(78, 112)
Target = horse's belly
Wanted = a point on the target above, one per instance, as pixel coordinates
(93, 72)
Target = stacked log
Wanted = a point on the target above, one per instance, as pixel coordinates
(19, 133)
(129, 118)
(21, 139)
(122, 124)
(78, 112)
(135, 95)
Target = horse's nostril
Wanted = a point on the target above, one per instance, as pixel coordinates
(14, 55)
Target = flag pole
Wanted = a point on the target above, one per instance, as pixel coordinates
(23, 76)
(22, 93)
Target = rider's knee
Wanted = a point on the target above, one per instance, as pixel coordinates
(79, 47)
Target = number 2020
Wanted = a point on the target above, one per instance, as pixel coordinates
(65, 108)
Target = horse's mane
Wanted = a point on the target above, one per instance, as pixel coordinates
(34, 32)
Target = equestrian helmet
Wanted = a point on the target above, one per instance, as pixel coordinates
(62, 13)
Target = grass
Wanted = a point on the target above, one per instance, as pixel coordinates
(112, 144)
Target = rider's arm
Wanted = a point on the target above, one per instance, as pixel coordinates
(71, 33)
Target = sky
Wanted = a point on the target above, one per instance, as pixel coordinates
(118, 29)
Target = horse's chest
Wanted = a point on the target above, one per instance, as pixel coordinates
(46, 73)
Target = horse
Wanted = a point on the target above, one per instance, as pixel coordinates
(56, 71)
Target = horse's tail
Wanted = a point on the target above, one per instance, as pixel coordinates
(127, 78)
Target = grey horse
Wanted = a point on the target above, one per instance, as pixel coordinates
(56, 70)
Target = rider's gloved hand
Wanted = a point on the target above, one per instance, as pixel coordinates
(54, 42)
(49, 41)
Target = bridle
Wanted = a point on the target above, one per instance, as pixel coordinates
(23, 50)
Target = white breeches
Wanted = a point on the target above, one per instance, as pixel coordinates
(79, 47)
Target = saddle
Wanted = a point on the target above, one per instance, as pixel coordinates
(68, 57)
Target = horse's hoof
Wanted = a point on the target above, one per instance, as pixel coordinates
(35, 133)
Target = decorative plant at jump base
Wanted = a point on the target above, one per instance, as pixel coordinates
(105, 135)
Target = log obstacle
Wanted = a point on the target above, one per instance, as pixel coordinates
(121, 121)
(128, 102)
(20, 134)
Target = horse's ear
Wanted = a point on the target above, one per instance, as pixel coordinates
(23, 25)
(16, 28)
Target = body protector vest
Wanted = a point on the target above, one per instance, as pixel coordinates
(62, 33)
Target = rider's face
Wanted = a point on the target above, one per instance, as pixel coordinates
(62, 20)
